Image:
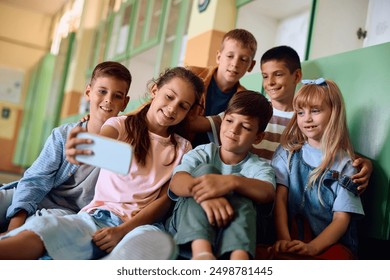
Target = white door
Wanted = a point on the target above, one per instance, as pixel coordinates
(336, 24)
(378, 23)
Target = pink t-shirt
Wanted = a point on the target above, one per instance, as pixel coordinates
(126, 195)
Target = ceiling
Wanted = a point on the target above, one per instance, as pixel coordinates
(274, 8)
(48, 7)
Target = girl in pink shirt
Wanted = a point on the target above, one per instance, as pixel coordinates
(121, 203)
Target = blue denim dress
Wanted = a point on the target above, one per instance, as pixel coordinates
(316, 204)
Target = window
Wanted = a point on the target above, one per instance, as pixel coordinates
(135, 27)
(100, 36)
(119, 37)
(175, 40)
(148, 25)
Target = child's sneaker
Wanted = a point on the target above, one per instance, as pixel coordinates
(150, 245)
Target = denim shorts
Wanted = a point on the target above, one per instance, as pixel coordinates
(6, 196)
(70, 237)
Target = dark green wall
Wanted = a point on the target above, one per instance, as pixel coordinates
(363, 76)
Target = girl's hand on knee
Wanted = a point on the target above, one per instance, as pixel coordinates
(279, 246)
(301, 248)
(107, 238)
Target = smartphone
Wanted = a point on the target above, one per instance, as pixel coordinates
(107, 153)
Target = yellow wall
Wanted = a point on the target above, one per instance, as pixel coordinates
(23, 37)
(24, 40)
(76, 82)
(90, 19)
(206, 30)
(220, 15)
(8, 131)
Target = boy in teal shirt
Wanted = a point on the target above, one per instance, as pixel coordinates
(217, 187)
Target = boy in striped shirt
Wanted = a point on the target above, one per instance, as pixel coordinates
(281, 70)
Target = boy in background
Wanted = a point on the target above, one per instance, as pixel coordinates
(281, 71)
(234, 58)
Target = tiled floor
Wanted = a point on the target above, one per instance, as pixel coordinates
(8, 177)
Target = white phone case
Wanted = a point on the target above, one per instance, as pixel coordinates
(107, 153)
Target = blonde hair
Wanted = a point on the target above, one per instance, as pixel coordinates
(335, 141)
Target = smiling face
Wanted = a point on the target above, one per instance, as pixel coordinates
(312, 121)
(279, 83)
(238, 133)
(171, 103)
(107, 97)
(233, 61)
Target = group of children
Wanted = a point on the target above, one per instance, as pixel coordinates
(63, 210)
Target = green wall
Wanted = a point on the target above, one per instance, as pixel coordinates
(363, 76)
(29, 141)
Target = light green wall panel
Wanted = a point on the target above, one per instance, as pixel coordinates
(253, 81)
(34, 116)
(363, 76)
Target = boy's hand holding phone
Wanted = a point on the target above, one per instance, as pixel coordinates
(99, 151)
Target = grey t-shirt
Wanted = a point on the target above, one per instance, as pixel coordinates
(75, 193)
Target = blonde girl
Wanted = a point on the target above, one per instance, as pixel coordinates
(121, 203)
(316, 203)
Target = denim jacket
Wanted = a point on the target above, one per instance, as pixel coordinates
(49, 170)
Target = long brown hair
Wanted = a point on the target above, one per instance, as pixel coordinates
(136, 125)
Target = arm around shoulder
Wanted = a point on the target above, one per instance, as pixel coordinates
(365, 168)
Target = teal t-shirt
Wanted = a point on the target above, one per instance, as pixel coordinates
(252, 166)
